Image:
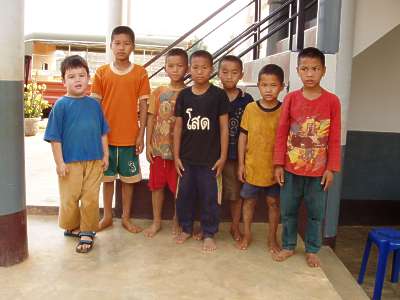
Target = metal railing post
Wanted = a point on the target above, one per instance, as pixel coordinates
(257, 33)
(290, 28)
(300, 24)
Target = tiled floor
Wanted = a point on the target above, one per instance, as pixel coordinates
(350, 248)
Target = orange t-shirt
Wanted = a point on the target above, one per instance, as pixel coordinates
(119, 93)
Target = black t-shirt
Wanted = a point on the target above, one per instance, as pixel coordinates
(200, 141)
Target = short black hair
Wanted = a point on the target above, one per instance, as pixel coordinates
(272, 69)
(312, 52)
(73, 62)
(202, 53)
(231, 58)
(123, 30)
(177, 52)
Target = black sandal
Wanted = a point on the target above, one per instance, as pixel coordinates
(71, 233)
(81, 242)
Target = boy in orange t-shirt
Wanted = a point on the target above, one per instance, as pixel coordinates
(119, 86)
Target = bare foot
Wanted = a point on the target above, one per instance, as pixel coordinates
(313, 260)
(209, 245)
(244, 243)
(235, 233)
(274, 247)
(104, 223)
(176, 229)
(126, 223)
(182, 237)
(198, 235)
(282, 255)
(152, 230)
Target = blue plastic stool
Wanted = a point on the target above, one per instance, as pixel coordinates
(387, 240)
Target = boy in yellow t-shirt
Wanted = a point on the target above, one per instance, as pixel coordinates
(255, 150)
(119, 87)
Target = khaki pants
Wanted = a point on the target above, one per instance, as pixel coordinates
(81, 183)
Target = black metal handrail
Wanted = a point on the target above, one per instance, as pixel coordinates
(229, 3)
(198, 41)
(254, 30)
(217, 55)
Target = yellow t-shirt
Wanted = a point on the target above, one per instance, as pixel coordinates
(119, 93)
(260, 125)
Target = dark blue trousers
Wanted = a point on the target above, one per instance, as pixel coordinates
(198, 183)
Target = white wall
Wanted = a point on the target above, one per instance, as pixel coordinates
(375, 96)
(373, 19)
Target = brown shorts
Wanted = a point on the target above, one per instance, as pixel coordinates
(230, 183)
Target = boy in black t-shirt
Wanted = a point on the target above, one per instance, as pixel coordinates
(200, 149)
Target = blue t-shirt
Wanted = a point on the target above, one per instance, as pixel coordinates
(236, 110)
(78, 124)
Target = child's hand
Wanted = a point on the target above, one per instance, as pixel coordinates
(327, 179)
(179, 167)
(139, 145)
(149, 153)
(240, 173)
(62, 169)
(105, 162)
(279, 175)
(219, 166)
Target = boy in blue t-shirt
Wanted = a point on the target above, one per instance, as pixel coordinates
(77, 132)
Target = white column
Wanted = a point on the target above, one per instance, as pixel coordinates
(115, 14)
(11, 40)
(344, 62)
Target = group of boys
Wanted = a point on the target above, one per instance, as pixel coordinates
(204, 143)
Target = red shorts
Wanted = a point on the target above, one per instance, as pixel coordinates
(162, 173)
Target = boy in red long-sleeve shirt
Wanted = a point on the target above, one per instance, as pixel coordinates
(307, 154)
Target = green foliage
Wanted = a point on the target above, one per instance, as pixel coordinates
(34, 103)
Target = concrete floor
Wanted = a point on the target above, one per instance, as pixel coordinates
(127, 266)
(350, 245)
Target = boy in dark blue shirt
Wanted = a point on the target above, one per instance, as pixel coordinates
(230, 71)
(77, 132)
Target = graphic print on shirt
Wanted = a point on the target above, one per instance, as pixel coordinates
(234, 122)
(163, 128)
(197, 123)
(307, 143)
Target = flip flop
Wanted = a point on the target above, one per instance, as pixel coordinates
(81, 242)
(70, 233)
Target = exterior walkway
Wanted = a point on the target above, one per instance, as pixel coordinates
(127, 266)
(40, 172)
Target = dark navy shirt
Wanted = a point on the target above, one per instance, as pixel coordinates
(236, 109)
(78, 124)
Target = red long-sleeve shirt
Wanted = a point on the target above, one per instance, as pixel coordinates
(308, 137)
